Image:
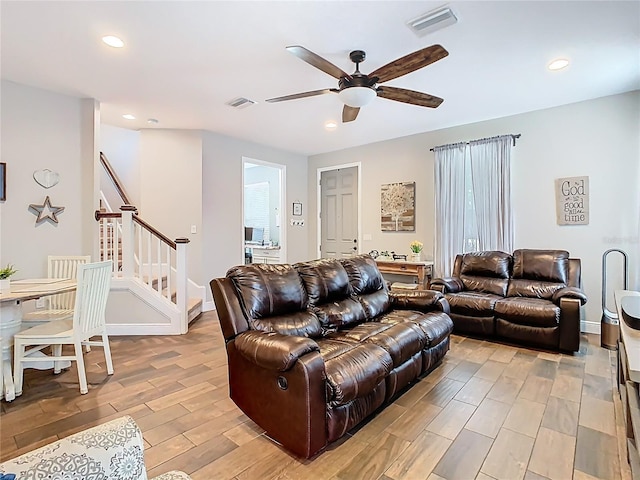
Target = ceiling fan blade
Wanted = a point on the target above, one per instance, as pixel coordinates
(409, 63)
(409, 96)
(349, 114)
(295, 96)
(317, 61)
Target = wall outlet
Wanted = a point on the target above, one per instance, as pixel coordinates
(296, 223)
(39, 303)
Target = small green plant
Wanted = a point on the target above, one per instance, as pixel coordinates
(7, 271)
(416, 246)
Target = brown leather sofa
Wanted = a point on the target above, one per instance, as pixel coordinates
(532, 297)
(315, 348)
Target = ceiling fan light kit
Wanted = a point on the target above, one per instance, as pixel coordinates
(357, 96)
(358, 89)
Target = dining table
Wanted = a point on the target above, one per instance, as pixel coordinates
(11, 320)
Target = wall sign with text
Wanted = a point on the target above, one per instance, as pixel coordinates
(572, 201)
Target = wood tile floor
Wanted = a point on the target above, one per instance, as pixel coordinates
(489, 411)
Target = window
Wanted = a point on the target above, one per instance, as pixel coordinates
(256, 207)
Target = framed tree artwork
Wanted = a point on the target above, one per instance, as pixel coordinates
(398, 207)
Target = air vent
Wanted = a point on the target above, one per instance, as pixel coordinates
(240, 102)
(432, 21)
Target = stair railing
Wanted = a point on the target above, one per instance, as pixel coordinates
(114, 179)
(161, 262)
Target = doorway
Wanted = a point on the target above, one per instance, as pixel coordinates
(339, 214)
(263, 200)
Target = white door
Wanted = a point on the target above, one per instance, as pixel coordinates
(339, 212)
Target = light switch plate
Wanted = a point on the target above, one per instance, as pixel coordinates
(194, 229)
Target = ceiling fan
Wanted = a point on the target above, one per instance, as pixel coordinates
(358, 89)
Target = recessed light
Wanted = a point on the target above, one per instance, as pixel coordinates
(331, 125)
(153, 121)
(128, 116)
(112, 41)
(558, 64)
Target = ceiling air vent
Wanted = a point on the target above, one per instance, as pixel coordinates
(432, 21)
(241, 102)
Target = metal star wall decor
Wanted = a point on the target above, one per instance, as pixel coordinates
(46, 211)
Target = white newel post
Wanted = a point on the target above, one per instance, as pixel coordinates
(128, 249)
(181, 282)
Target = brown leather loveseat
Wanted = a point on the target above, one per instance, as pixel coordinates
(315, 348)
(531, 297)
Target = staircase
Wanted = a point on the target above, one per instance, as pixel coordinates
(151, 291)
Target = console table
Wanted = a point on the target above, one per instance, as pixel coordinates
(628, 380)
(421, 270)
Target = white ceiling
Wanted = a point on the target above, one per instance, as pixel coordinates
(184, 60)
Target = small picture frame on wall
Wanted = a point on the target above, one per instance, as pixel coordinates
(3, 181)
(297, 209)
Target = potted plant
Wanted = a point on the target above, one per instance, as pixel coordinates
(416, 248)
(5, 274)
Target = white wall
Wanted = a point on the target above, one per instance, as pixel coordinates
(39, 130)
(122, 148)
(598, 138)
(171, 190)
(222, 200)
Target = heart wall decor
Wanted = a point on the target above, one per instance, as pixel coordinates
(46, 178)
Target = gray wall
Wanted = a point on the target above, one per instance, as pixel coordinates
(598, 138)
(44, 130)
(222, 200)
(171, 190)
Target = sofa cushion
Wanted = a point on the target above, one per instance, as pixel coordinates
(493, 264)
(486, 272)
(327, 285)
(543, 265)
(436, 326)
(533, 288)
(528, 311)
(340, 314)
(274, 299)
(325, 280)
(353, 369)
(366, 281)
(472, 303)
(302, 324)
(401, 340)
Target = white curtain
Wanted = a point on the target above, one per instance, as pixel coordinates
(491, 179)
(450, 206)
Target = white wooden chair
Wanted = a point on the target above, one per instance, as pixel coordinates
(57, 307)
(94, 280)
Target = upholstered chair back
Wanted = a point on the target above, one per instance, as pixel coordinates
(330, 294)
(274, 299)
(539, 273)
(366, 281)
(484, 271)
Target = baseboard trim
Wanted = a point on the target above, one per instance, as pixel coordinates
(590, 327)
(208, 306)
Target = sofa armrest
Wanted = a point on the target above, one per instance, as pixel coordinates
(273, 350)
(421, 300)
(569, 292)
(447, 285)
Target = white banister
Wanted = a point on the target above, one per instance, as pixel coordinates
(128, 254)
(181, 281)
(136, 249)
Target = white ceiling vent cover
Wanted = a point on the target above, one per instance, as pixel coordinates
(241, 102)
(432, 21)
